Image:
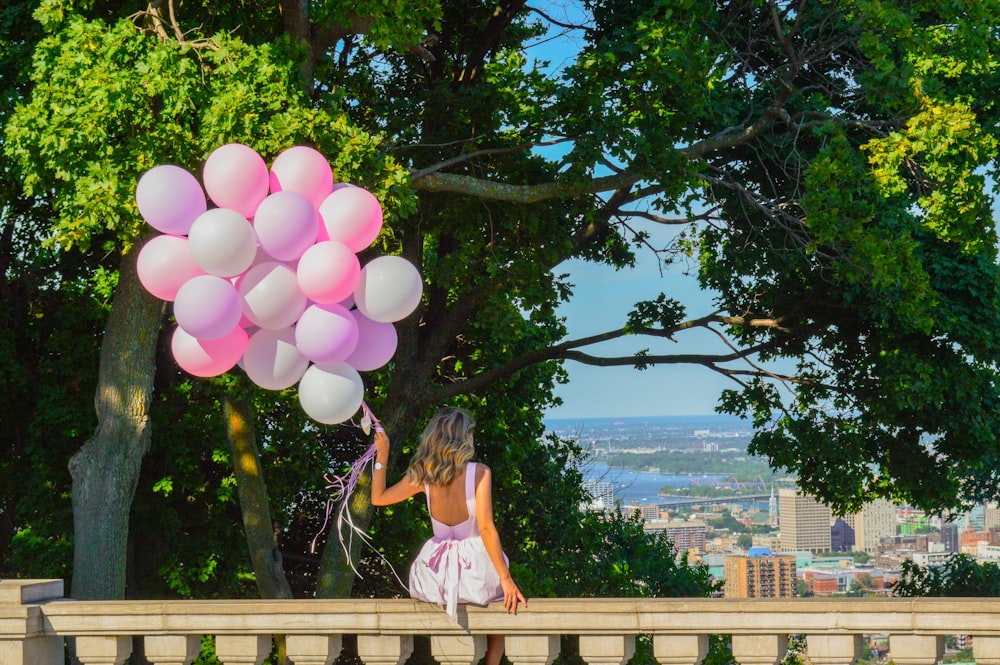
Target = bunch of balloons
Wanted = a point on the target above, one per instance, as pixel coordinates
(270, 279)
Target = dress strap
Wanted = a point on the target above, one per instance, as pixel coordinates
(470, 488)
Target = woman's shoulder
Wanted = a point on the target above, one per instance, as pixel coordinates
(482, 471)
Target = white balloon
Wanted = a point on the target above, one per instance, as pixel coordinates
(389, 289)
(222, 242)
(331, 394)
(272, 298)
(272, 360)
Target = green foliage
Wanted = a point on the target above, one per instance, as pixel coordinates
(894, 291)
(830, 162)
(960, 577)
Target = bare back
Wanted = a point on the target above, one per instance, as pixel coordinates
(448, 503)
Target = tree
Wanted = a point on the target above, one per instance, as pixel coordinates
(825, 163)
(960, 576)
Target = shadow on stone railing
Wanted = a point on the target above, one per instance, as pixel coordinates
(35, 621)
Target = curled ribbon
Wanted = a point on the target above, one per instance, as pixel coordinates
(343, 487)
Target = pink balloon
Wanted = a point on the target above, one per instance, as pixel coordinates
(376, 344)
(389, 289)
(286, 225)
(170, 199)
(272, 298)
(164, 264)
(208, 357)
(207, 307)
(302, 170)
(331, 393)
(222, 242)
(328, 272)
(272, 360)
(236, 177)
(353, 216)
(326, 333)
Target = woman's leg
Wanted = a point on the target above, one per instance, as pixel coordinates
(494, 649)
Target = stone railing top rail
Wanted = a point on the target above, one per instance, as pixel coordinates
(39, 608)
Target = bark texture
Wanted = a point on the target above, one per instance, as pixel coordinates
(268, 566)
(106, 469)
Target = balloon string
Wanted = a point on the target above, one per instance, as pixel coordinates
(343, 488)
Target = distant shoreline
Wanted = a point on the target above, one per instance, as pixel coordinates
(714, 416)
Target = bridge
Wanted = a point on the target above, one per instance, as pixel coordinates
(687, 501)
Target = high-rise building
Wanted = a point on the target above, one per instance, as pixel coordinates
(759, 575)
(949, 536)
(804, 522)
(772, 509)
(841, 536)
(876, 520)
(991, 516)
(602, 493)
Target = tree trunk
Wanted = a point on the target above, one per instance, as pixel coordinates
(106, 469)
(256, 508)
(335, 576)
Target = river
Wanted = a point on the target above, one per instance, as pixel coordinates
(639, 486)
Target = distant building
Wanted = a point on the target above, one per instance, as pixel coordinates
(988, 553)
(875, 521)
(760, 576)
(968, 541)
(829, 581)
(602, 494)
(930, 559)
(949, 536)
(991, 516)
(772, 509)
(651, 511)
(686, 536)
(841, 536)
(805, 522)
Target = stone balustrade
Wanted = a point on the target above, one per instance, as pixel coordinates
(36, 620)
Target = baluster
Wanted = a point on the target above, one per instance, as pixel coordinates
(172, 649)
(759, 649)
(834, 649)
(32, 651)
(98, 650)
(242, 649)
(458, 649)
(607, 649)
(18, 643)
(313, 649)
(680, 649)
(986, 650)
(532, 649)
(384, 649)
(916, 649)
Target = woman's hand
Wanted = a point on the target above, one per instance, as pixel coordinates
(511, 595)
(381, 442)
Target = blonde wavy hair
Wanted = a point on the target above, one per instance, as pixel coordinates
(445, 446)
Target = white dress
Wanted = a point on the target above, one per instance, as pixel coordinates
(453, 567)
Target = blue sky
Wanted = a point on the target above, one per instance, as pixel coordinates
(604, 297)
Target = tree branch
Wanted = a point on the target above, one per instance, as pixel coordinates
(568, 26)
(499, 191)
(568, 350)
(466, 156)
